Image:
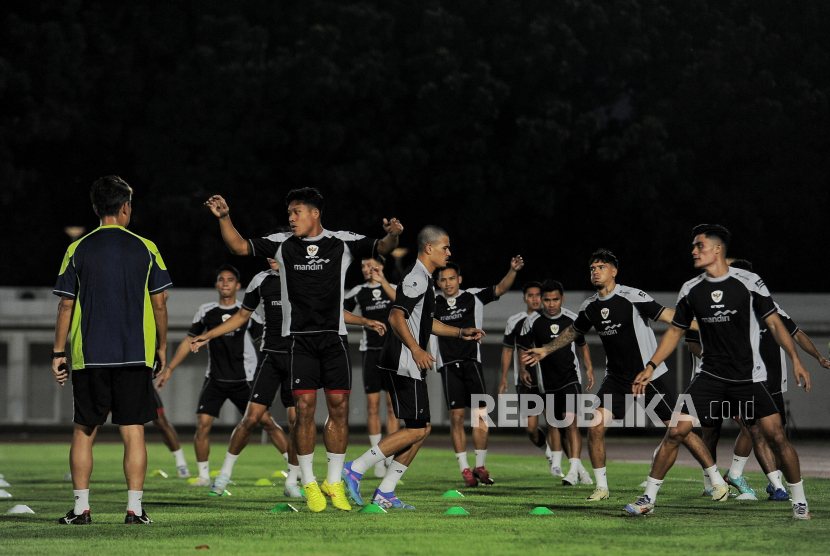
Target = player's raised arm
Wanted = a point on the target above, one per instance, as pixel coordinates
(397, 320)
(393, 229)
(506, 283)
(533, 356)
(377, 276)
(779, 332)
(235, 242)
(668, 343)
(237, 320)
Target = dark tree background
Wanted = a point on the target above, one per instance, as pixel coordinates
(521, 126)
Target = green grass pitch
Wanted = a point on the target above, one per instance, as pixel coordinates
(499, 520)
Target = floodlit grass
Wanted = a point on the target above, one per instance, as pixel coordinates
(499, 520)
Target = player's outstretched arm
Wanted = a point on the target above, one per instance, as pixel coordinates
(237, 320)
(589, 367)
(181, 352)
(533, 356)
(235, 242)
(62, 323)
(506, 360)
(393, 229)
(377, 326)
(668, 343)
(377, 276)
(159, 303)
(441, 329)
(807, 345)
(668, 315)
(506, 283)
(397, 320)
(779, 332)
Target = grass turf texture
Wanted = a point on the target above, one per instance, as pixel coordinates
(499, 521)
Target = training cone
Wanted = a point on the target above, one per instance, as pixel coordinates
(4, 494)
(452, 494)
(226, 493)
(371, 509)
(282, 508)
(541, 510)
(4, 483)
(20, 509)
(2, 476)
(192, 480)
(279, 474)
(456, 510)
(159, 473)
(214, 473)
(264, 483)
(644, 484)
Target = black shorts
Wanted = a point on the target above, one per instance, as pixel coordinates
(372, 375)
(562, 399)
(320, 361)
(713, 399)
(214, 393)
(461, 380)
(410, 399)
(622, 396)
(537, 400)
(778, 398)
(127, 392)
(272, 375)
(159, 405)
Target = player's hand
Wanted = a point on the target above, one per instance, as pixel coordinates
(377, 274)
(423, 359)
(525, 377)
(824, 362)
(393, 227)
(589, 374)
(472, 334)
(218, 206)
(503, 386)
(163, 378)
(641, 381)
(161, 361)
(517, 263)
(61, 370)
(533, 356)
(801, 373)
(198, 342)
(375, 325)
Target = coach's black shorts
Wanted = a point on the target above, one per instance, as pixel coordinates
(622, 396)
(127, 392)
(272, 375)
(214, 393)
(461, 380)
(410, 399)
(566, 398)
(320, 361)
(778, 398)
(713, 399)
(372, 375)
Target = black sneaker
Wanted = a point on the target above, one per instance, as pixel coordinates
(140, 519)
(71, 519)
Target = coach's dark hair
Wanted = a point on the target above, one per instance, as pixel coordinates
(602, 255)
(552, 286)
(429, 234)
(109, 194)
(308, 196)
(714, 231)
(743, 264)
(531, 284)
(227, 268)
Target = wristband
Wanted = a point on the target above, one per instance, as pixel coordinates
(58, 354)
(459, 332)
(652, 365)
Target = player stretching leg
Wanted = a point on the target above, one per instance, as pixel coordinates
(405, 361)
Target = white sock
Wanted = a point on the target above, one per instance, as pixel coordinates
(556, 459)
(179, 455)
(652, 488)
(285, 456)
(462, 461)
(737, 468)
(374, 439)
(581, 467)
(389, 460)
(204, 469)
(336, 462)
(797, 492)
(576, 463)
(372, 456)
(775, 479)
(546, 449)
(293, 474)
(81, 501)
(481, 458)
(393, 475)
(306, 468)
(227, 466)
(707, 482)
(602, 478)
(134, 501)
(714, 476)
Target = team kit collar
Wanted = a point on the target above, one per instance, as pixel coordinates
(610, 295)
(726, 276)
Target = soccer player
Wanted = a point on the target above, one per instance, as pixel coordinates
(559, 375)
(374, 297)
(459, 363)
(112, 287)
(620, 314)
(405, 361)
(729, 304)
(313, 263)
(232, 362)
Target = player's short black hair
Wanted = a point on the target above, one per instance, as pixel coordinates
(552, 286)
(531, 284)
(308, 196)
(743, 264)
(603, 255)
(429, 234)
(713, 230)
(227, 268)
(378, 257)
(109, 194)
(451, 266)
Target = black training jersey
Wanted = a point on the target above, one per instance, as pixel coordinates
(560, 368)
(374, 304)
(313, 271)
(465, 310)
(621, 320)
(728, 311)
(416, 298)
(512, 331)
(266, 287)
(773, 356)
(232, 356)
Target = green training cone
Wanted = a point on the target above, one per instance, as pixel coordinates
(372, 509)
(264, 483)
(159, 473)
(541, 510)
(226, 493)
(452, 494)
(214, 473)
(456, 510)
(279, 474)
(281, 508)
